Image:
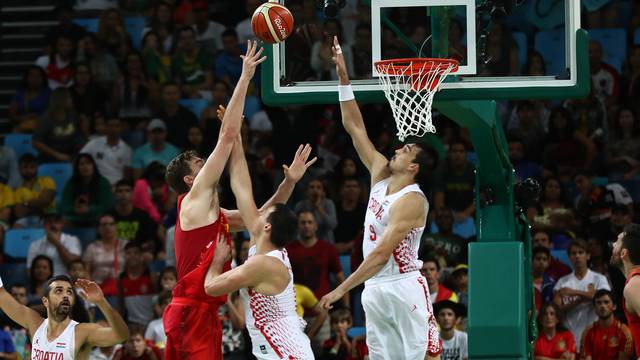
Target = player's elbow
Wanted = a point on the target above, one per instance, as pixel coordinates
(211, 289)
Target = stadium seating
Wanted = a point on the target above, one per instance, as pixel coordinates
(13, 274)
(614, 45)
(90, 25)
(86, 235)
(345, 263)
(195, 105)
(20, 143)
(135, 26)
(60, 172)
(521, 40)
(550, 44)
(17, 241)
(562, 256)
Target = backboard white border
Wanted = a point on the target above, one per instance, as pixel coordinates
(377, 5)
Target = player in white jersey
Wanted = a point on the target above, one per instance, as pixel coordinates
(400, 321)
(58, 337)
(266, 280)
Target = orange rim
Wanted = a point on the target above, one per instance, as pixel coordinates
(400, 66)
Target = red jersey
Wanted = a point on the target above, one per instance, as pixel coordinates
(194, 253)
(556, 346)
(604, 343)
(312, 265)
(633, 320)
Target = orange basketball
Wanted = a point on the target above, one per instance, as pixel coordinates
(272, 22)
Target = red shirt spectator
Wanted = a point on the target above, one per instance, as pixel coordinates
(553, 341)
(606, 338)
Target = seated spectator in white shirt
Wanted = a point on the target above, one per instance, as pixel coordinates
(112, 155)
(155, 329)
(60, 247)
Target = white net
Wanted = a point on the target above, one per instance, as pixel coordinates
(409, 86)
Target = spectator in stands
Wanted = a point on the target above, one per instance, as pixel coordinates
(460, 280)
(87, 194)
(208, 33)
(604, 77)
(361, 50)
(104, 258)
(6, 207)
(228, 64)
(132, 223)
(243, 29)
(156, 63)
(209, 122)
(152, 194)
(65, 27)
(136, 286)
(502, 51)
(437, 291)
(607, 338)
(594, 202)
(631, 79)
(535, 65)
(323, 209)
(573, 293)
(308, 308)
(160, 22)
(457, 47)
(19, 292)
(192, 67)
(57, 65)
(111, 30)
(35, 195)
(589, 118)
(40, 270)
(321, 52)
(168, 279)
(60, 247)
(557, 268)
(454, 342)
(103, 66)
(176, 117)
(543, 284)
(112, 155)
(566, 150)
(554, 341)
(454, 184)
(9, 171)
(526, 123)
(157, 148)
(88, 99)
(445, 243)
(196, 141)
(554, 212)
(524, 168)
(136, 348)
(30, 100)
(7, 349)
(58, 136)
(132, 92)
(339, 346)
(104, 353)
(623, 146)
(155, 329)
(350, 210)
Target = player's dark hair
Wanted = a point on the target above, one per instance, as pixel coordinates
(177, 169)
(631, 242)
(603, 292)
(283, 225)
(422, 159)
(540, 249)
(47, 285)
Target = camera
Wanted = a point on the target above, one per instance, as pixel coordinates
(330, 7)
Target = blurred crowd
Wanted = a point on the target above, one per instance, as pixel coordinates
(116, 106)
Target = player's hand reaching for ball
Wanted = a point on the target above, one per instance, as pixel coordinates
(91, 291)
(299, 166)
(338, 59)
(251, 59)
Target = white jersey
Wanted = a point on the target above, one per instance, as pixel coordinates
(61, 348)
(276, 330)
(405, 256)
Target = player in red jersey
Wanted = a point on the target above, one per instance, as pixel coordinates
(190, 321)
(626, 254)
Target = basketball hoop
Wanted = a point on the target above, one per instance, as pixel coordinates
(409, 85)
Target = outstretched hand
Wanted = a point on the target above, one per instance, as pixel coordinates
(338, 59)
(330, 298)
(91, 291)
(251, 59)
(299, 166)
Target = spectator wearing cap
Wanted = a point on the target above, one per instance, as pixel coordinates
(543, 284)
(574, 292)
(437, 291)
(177, 118)
(60, 247)
(208, 33)
(111, 153)
(156, 149)
(445, 243)
(35, 195)
(460, 277)
(454, 342)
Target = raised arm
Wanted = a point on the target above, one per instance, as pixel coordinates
(402, 219)
(210, 173)
(97, 335)
(353, 123)
(22, 315)
(243, 190)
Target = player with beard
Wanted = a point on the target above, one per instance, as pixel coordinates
(626, 255)
(58, 337)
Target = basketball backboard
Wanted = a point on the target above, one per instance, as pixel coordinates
(495, 48)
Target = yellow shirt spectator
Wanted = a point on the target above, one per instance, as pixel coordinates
(41, 183)
(6, 202)
(305, 299)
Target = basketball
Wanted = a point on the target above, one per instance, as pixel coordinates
(272, 22)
